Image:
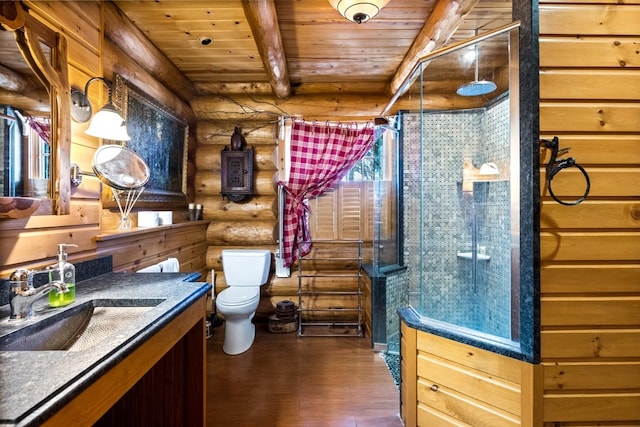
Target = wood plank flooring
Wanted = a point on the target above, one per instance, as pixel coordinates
(286, 381)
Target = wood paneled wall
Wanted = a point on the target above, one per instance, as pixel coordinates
(590, 277)
(134, 250)
(32, 242)
(590, 253)
(457, 384)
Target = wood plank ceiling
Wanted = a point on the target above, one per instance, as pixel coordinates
(285, 47)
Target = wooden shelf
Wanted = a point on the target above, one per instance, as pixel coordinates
(321, 327)
(138, 231)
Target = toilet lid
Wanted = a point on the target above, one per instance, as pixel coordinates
(239, 295)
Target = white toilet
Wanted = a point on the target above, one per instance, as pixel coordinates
(245, 270)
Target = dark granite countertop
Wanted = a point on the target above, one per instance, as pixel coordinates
(460, 334)
(36, 384)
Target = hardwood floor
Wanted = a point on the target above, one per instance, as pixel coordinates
(286, 381)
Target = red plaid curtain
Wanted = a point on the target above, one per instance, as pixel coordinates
(320, 156)
(42, 128)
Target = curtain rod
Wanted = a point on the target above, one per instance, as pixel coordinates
(8, 117)
(290, 119)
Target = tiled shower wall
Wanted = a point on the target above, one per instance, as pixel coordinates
(397, 298)
(438, 218)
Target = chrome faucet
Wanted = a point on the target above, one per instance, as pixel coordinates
(22, 294)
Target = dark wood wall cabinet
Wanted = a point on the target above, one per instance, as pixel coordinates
(237, 174)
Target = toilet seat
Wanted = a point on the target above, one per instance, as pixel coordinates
(234, 296)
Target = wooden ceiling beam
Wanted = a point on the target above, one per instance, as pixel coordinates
(12, 81)
(119, 29)
(263, 20)
(442, 23)
(315, 106)
(116, 61)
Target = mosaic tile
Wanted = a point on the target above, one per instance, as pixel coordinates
(438, 220)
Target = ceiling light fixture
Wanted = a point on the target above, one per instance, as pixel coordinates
(107, 123)
(358, 11)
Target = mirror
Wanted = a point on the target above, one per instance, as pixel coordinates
(160, 137)
(34, 106)
(25, 114)
(120, 168)
(126, 173)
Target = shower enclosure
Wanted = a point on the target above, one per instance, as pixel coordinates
(461, 242)
(460, 205)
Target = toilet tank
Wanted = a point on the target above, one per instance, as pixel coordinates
(246, 267)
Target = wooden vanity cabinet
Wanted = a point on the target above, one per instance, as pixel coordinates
(449, 383)
(162, 382)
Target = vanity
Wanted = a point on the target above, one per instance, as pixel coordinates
(149, 369)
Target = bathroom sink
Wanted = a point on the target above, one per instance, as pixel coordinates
(77, 328)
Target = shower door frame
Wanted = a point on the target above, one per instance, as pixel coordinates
(524, 200)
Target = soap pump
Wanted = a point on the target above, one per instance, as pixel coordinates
(65, 272)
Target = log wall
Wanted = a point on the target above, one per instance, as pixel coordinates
(329, 271)
(254, 224)
(590, 276)
(250, 224)
(367, 301)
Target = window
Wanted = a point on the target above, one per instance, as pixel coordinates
(363, 206)
(372, 166)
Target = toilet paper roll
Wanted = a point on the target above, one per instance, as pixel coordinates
(165, 217)
(155, 268)
(171, 265)
(147, 219)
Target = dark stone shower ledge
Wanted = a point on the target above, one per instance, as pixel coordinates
(463, 335)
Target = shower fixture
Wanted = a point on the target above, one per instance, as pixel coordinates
(476, 87)
(489, 169)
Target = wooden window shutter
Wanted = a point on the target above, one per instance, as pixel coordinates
(323, 218)
(351, 210)
(343, 213)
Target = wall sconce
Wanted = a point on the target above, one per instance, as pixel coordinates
(76, 175)
(107, 123)
(358, 11)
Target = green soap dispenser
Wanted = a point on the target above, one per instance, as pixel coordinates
(65, 272)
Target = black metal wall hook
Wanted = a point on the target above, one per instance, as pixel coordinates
(555, 165)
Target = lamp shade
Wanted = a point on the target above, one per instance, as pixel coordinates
(358, 11)
(108, 124)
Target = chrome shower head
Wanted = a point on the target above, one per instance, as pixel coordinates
(476, 88)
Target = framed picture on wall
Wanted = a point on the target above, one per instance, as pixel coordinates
(160, 137)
